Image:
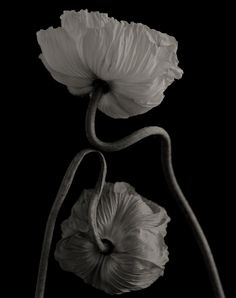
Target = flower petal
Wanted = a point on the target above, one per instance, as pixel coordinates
(76, 23)
(59, 51)
(137, 62)
(131, 274)
(76, 85)
(77, 254)
(142, 244)
(135, 226)
(118, 212)
(120, 106)
(78, 220)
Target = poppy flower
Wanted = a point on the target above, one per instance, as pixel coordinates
(135, 63)
(133, 230)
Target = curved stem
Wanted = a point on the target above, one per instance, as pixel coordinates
(62, 192)
(169, 175)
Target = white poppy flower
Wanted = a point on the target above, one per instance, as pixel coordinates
(136, 62)
(132, 227)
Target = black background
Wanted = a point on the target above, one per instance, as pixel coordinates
(45, 129)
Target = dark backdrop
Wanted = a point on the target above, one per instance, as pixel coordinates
(47, 129)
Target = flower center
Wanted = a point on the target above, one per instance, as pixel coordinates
(98, 83)
(109, 246)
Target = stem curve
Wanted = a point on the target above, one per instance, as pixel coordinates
(169, 176)
(60, 197)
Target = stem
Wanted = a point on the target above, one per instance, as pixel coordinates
(62, 192)
(169, 175)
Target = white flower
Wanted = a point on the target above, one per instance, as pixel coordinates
(131, 226)
(137, 63)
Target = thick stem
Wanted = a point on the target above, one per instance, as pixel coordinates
(169, 175)
(62, 192)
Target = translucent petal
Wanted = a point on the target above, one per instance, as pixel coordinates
(136, 228)
(80, 91)
(77, 254)
(143, 94)
(59, 51)
(120, 106)
(138, 63)
(76, 23)
(82, 85)
(119, 212)
(119, 50)
(131, 273)
(78, 220)
(142, 244)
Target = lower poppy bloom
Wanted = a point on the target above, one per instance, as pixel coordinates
(131, 227)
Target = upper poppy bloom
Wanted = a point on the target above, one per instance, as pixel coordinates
(136, 62)
(132, 228)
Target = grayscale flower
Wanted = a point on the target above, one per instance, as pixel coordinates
(136, 62)
(133, 229)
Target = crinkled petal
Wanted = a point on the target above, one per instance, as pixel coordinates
(77, 23)
(78, 220)
(137, 62)
(142, 244)
(120, 274)
(117, 105)
(131, 273)
(77, 254)
(117, 210)
(92, 50)
(134, 225)
(117, 50)
(59, 51)
(145, 95)
(76, 85)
